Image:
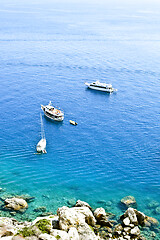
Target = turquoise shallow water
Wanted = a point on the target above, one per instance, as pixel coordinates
(48, 50)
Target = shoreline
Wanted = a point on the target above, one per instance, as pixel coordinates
(101, 224)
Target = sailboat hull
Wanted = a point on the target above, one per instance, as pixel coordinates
(41, 146)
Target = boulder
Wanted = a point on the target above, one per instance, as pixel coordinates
(126, 221)
(73, 217)
(89, 218)
(130, 213)
(86, 233)
(69, 218)
(129, 201)
(150, 222)
(140, 217)
(73, 233)
(18, 237)
(59, 234)
(135, 231)
(77, 217)
(127, 230)
(80, 203)
(118, 230)
(45, 236)
(99, 213)
(15, 203)
(6, 231)
(102, 218)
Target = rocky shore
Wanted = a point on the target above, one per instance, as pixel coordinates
(79, 222)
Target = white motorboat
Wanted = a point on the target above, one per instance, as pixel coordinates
(101, 87)
(52, 112)
(41, 146)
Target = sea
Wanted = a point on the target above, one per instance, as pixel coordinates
(48, 50)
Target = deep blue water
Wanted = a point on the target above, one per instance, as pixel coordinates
(47, 51)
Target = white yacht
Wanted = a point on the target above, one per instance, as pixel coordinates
(41, 146)
(52, 112)
(101, 86)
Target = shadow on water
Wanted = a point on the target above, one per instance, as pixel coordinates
(96, 92)
(52, 121)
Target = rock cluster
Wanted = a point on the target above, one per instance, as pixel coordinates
(131, 220)
(79, 222)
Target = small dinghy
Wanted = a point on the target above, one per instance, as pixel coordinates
(73, 122)
(41, 146)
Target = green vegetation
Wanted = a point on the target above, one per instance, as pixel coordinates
(44, 225)
(58, 237)
(26, 232)
(91, 228)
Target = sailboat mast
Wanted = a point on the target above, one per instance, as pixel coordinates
(42, 128)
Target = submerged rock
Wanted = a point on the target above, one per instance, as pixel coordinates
(157, 210)
(129, 201)
(15, 203)
(40, 209)
(153, 204)
(71, 202)
(150, 222)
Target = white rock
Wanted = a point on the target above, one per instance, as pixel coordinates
(73, 234)
(99, 212)
(46, 236)
(69, 218)
(135, 231)
(132, 215)
(127, 229)
(86, 233)
(89, 218)
(59, 234)
(126, 221)
(80, 203)
(7, 238)
(127, 237)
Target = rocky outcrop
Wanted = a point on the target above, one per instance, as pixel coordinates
(79, 218)
(15, 204)
(79, 223)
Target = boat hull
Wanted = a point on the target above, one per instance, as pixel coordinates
(41, 146)
(73, 122)
(52, 117)
(100, 88)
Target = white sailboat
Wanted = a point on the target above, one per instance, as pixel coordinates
(41, 146)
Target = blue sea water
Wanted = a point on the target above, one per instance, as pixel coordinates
(48, 50)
